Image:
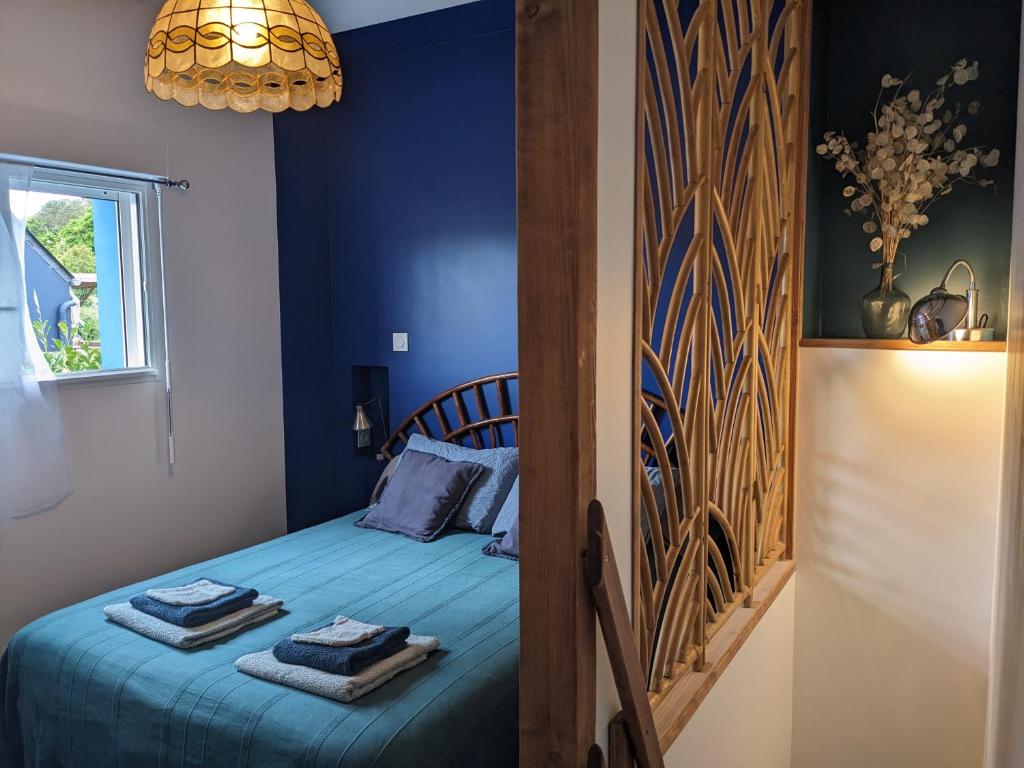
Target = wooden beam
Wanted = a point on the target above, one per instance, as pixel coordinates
(556, 143)
(610, 601)
(620, 754)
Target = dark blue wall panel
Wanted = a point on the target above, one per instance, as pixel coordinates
(310, 413)
(414, 212)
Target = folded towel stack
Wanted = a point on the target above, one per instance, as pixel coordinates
(193, 614)
(341, 661)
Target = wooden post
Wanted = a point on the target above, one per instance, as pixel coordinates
(556, 145)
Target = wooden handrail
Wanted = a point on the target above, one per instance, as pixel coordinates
(613, 616)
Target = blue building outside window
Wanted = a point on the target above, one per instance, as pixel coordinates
(108, 283)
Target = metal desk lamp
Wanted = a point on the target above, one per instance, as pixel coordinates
(940, 314)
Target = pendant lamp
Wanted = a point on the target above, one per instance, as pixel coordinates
(243, 55)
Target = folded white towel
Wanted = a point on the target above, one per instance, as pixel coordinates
(262, 608)
(343, 632)
(198, 592)
(338, 687)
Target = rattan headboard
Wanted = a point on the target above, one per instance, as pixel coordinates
(474, 424)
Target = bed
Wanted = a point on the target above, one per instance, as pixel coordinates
(78, 690)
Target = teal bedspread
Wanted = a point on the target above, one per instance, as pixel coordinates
(78, 690)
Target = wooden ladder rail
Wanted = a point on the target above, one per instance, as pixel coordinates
(613, 616)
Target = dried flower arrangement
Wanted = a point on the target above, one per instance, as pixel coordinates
(914, 156)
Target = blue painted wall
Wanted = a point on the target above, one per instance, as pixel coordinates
(396, 213)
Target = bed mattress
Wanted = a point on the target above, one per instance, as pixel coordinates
(78, 690)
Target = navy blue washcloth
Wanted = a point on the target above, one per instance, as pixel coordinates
(347, 660)
(195, 615)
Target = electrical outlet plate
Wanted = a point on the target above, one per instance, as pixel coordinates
(399, 342)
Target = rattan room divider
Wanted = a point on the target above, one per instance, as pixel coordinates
(721, 167)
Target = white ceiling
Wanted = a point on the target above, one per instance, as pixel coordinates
(340, 15)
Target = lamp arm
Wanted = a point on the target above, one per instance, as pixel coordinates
(959, 263)
(972, 290)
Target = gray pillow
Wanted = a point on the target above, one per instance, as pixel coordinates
(509, 512)
(507, 546)
(501, 467)
(422, 496)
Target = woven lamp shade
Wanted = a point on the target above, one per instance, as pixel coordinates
(243, 55)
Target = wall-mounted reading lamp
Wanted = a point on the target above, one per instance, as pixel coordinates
(940, 314)
(362, 425)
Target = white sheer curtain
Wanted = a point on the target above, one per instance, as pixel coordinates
(34, 473)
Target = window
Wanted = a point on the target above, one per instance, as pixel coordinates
(87, 275)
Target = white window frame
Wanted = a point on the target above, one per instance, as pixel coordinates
(141, 277)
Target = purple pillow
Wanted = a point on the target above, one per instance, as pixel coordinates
(507, 546)
(423, 495)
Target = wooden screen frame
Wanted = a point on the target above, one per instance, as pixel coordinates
(676, 701)
(556, 159)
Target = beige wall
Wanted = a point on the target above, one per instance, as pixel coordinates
(616, 105)
(1005, 736)
(898, 478)
(746, 721)
(72, 90)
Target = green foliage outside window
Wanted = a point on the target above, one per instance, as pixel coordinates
(65, 227)
(75, 350)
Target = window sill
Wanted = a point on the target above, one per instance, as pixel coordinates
(675, 705)
(108, 378)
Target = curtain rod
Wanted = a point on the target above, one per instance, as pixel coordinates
(49, 165)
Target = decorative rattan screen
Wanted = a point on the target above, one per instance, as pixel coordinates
(721, 132)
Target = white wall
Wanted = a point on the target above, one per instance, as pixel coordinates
(746, 720)
(72, 90)
(616, 129)
(1005, 737)
(340, 15)
(898, 481)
